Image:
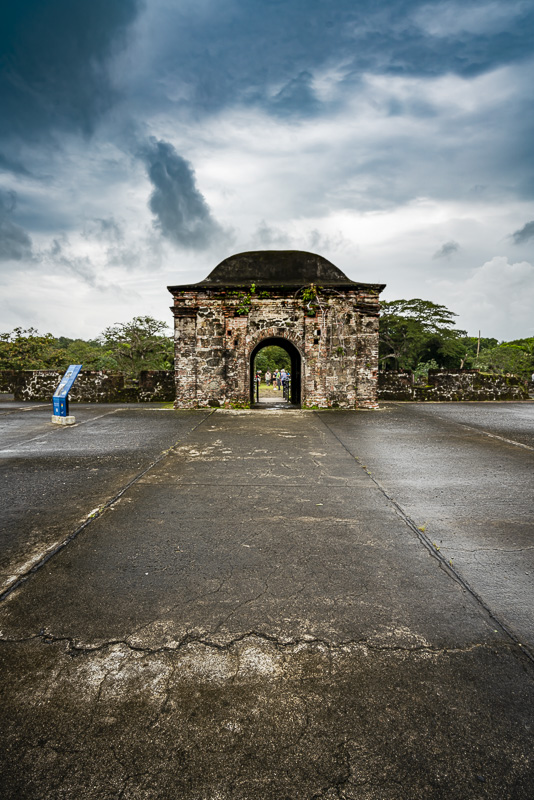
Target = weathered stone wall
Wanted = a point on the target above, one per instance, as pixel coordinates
(395, 385)
(90, 387)
(217, 331)
(447, 385)
(159, 386)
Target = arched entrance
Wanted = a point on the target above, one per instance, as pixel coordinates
(299, 301)
(296, 366)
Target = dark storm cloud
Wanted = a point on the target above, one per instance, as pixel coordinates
(447, 250)
(54, 58)
(524, 234)
(55, 55)
(12, 165)
(296, 94)
(182, 214)
(105, 229)
(223, 53)
(15, 244)
(80, 266)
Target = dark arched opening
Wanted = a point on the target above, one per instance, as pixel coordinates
(296, 367)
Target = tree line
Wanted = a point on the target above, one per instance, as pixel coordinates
(415, 335)
(131, 347)
(418, 335)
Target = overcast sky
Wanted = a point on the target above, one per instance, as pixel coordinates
(141, 143)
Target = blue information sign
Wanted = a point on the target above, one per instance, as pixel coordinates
(61, 395)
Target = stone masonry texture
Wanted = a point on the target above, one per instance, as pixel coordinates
(159, 386)
(297, 300)
(443, 385)
(90, 386)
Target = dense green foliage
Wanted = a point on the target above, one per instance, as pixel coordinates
(140, 344)
(472, 346)
(507, 358)
(27, 349)
(126, 347)
(417, 331)
(415, 335)
(418, 335)
(272, 358)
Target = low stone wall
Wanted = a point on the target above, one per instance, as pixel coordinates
(159, 386)
(395, 385)
(449, 385)
(90, 387)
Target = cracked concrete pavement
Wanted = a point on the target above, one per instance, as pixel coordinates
(53, 483)
(255, 611)
(464, 473)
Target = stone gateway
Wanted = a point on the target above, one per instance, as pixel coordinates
(327, 323)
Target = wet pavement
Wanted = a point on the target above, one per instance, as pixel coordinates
(465, 473)
(54, 478)
(268, 604)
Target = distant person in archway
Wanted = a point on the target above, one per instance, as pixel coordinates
(285, 383)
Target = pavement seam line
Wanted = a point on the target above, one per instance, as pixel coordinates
(93, 419)
(56, 429)
(96, 514)
(21, 410)
(486, 433)
(427, 543)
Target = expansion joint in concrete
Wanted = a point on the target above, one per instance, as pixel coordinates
(488, 433)
(434, 552)
(95, 514)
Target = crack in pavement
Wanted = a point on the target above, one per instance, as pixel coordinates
(244, 603)
(341, 780)
(283, 645)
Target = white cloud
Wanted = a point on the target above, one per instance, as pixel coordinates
(451, 19)
(400, 168)
(497, 298)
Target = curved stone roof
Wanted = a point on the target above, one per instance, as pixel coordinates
(273, 268)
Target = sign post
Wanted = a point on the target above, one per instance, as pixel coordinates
(60, 400)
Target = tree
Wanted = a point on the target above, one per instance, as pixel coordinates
(272, 358)
(505, 359)
(138, 345)
(525, 344)
(515, 357)
(26, 348)
(91, 354)
(473, 345)
(418, 331)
